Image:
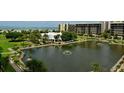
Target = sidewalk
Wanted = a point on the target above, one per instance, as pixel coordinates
(17, 69)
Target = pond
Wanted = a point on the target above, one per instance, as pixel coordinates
(77, 57)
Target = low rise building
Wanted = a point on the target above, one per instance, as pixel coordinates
(51, 35)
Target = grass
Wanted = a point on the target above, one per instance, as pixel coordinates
(81, 38)
(5, 44)
(84, 38)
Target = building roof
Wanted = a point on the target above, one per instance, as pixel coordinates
(52, 34)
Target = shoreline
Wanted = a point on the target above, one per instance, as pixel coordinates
(114, 68)
(53, 44)
(65, 43)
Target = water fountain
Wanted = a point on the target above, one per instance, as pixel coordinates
(67, 52)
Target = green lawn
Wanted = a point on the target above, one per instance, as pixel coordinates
(5, 44)
(83, 38)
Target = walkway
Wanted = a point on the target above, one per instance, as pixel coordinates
(17, 69)
(12, 63)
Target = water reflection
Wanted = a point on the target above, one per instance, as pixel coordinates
(81, 57)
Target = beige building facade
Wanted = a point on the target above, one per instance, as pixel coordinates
(63, 27)
(116, 27)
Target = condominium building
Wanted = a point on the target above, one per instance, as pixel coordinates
(63, 27)
(105, 25)
(86, 28)
(116, 27)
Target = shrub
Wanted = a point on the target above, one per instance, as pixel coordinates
(121, 70)
(121, 62)
(118, 66)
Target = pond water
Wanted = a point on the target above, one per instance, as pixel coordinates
(77, 57)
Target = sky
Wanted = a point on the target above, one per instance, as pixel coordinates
(36, 23)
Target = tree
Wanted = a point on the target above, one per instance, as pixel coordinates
(5, 66)
(67, 36)
(13, 35)
(36, 66)
(1, 49)
(54, 31)
(25, 35)
(0, 55)
(35, 37)
(105, 35)
(96, 67)
(45, 38)
(116, 36)
(57, 37)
